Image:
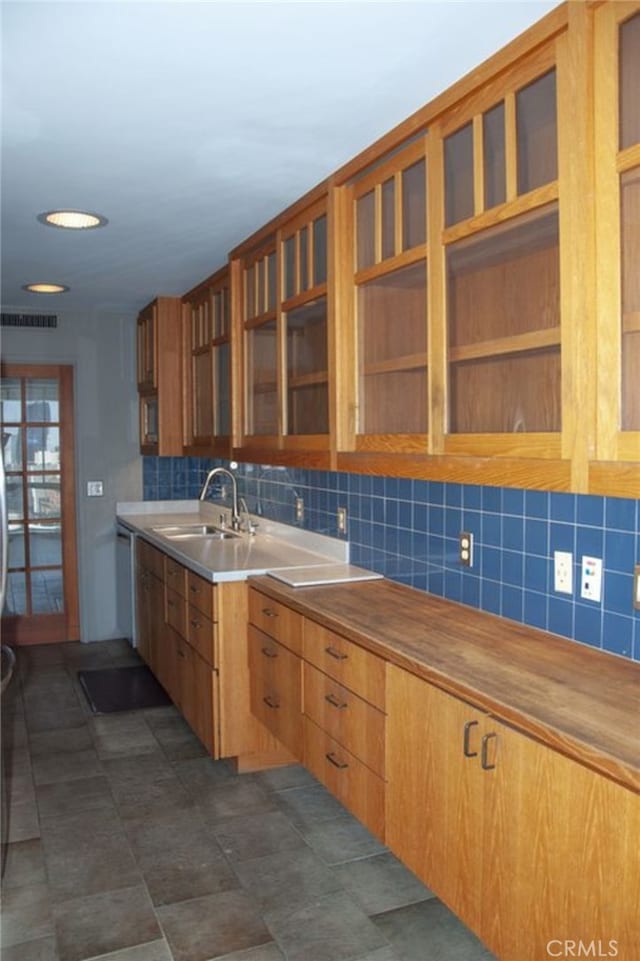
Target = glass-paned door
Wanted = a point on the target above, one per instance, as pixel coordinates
(41, 602)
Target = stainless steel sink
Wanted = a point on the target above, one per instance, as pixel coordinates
(184, 531)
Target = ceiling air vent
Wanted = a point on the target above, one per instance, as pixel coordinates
(29, 320)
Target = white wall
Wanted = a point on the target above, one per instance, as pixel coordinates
(101, 348)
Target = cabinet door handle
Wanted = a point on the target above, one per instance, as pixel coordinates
(334, 702)
(339, 656)
(269, 612)
(269, 701)
(341, 765)
(485, 752)
(171, 603)
(194, 590)
(195, 623)
(465, 746)
(268, 652)
(181, 653)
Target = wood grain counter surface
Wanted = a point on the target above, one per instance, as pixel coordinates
(583, 702)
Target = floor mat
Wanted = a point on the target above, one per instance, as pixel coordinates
(115, 689)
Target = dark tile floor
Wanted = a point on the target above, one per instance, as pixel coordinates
(128, 843)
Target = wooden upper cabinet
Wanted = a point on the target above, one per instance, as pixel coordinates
(159, 365)
(207, 340)
(284, 329)
(495, 162)
(389, 281)
(617, 173)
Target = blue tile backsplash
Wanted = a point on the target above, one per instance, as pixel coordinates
(408, 530)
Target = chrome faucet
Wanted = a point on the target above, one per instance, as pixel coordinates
(235, 513)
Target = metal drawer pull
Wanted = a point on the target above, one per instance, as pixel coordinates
(195, 623)
(465, 748)
(268, 652)
(339, 656)
(194, 590)
(485, 752)
(334, 702)
(268, 700)
(181, 653)
(171, 603)
(339, 764)
(269, 612)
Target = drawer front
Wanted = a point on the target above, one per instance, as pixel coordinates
(175, 576)
(276, 619)
(359, 789)
(200, 593)
(176, 612)
(150, 557)
(201, 634)
(276, 686)
(347, 718)
(349, 664)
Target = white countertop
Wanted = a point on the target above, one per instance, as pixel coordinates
(273, 546)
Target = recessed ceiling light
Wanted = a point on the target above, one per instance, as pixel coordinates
(72, 219)
(46, 288)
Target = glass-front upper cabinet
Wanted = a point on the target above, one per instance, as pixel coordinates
(159, 365)
(497, 167)
(617, 135)
(303, 310)
(260, 300)
(206, 318)
(390, 277)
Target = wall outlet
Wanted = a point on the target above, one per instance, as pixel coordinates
(591, 582)
(636, 587)
(563, 572)
(342, 520)
(94, 489)
(465, 548)
(299, 509)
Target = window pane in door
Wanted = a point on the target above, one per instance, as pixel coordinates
(43, 496)
(629, 82)
(16, 599)
(45, 545)
(16, 549)
(12, 447)
(46, 592)
(43, 447)
(42, 400)
(11, 398)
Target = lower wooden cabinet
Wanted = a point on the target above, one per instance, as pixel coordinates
(528, 847)
(275, 683)
(198, 697)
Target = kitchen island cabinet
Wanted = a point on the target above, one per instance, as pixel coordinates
(511, 775)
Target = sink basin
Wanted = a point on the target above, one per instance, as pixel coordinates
(183, 531)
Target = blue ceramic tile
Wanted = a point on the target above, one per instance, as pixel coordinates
(512, 602)
(453, 495)
(536, 504)
(391, 512)
(620, 513)
(391, 487)
(490, 597)
(420, 516)
(470, 590)
(513, 501)
(490, 563)
(452, 522)
(405, 489)
(620, 551)
(561, 538)
(421, 491)
(436, 519)
(562, 507)
(618, 592)
(535, 573)
(590, 541)
(453, 585)
(405, 514)
(512, 568)
(377, 509)
(617, 634)
(590, 510)
(378, 536)
(436, 492)
(472, 521)
(491, 530)
(560, 617)
(472, 497)
(513, 533)
(536, 537)
(588, 624)
(535, 609)
(435, 581)
(491, 499)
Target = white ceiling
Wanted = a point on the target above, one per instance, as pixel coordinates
(190, 125)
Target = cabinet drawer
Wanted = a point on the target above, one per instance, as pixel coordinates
(176, 612)
(351, 665)
(276, 619)
(201, 634)
(150, 557)
(275, 685)
(359, 789)
(200, 593)
(175, 576)
(354, 723)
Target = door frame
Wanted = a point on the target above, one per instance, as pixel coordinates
(65, 626)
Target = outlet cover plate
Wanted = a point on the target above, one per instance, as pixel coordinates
(563, 572)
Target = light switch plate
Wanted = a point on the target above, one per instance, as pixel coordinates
(591, 579)
(94, 489)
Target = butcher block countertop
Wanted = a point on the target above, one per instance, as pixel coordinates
(581, 701)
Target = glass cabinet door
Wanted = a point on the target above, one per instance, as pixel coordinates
(260, 295)
(307, 374)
